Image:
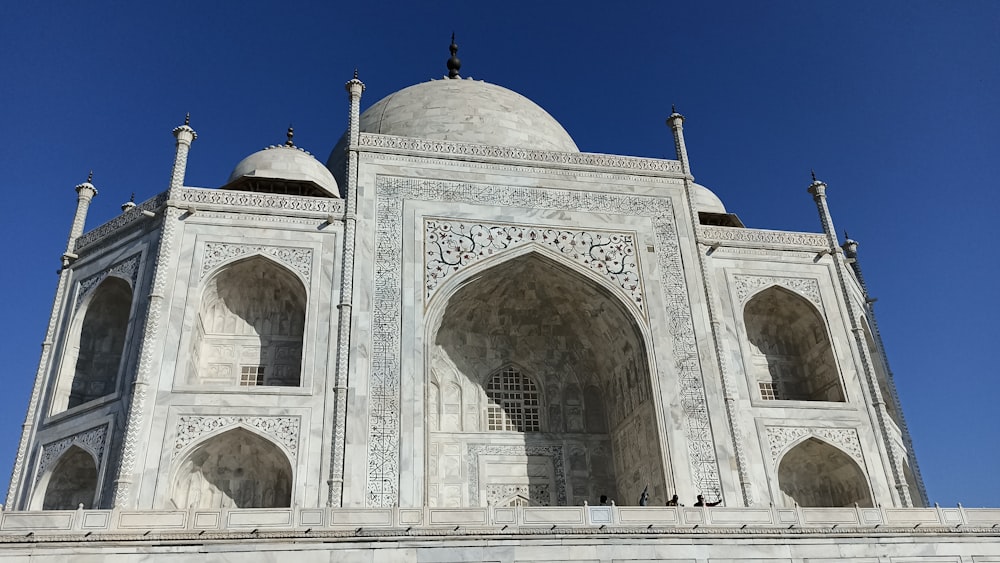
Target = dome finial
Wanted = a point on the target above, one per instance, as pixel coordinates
(291, 133)
(454, 63)
(90, 177)
(187, 119)
(813, 175)
(355, 73)
(673, 109)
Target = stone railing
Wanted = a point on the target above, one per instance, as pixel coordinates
(374, 522)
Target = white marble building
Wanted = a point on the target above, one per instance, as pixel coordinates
(459, 318)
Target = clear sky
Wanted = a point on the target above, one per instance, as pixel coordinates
(894, 104)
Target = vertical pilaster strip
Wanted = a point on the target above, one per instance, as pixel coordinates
(135, 422)
(85, 192)
(818, 191)
(354, 88)
(676, 122)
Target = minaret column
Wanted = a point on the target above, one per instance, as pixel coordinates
(185, 136)
(85, 192)
(878, 414)
(676, 123)
(354, 89)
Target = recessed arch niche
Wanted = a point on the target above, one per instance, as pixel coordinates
(234, 469)
(93, 360)
(534, 335)
(814, 473)
(249, 327)
(72, 481)
(791, 355)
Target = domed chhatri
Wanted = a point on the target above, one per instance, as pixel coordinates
(285, 169)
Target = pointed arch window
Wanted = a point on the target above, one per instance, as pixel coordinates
(514, 404)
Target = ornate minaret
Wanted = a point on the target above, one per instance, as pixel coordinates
(354, 89)
(879, 415)
(85, 192)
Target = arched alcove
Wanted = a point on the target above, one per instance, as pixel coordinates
(249, 328)
(96, 344)
(880, 373)
(791, 355)
(235, 469)
(816, 474)
(556, 399)
(73, 481)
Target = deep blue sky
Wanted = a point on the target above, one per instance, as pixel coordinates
(894, 104)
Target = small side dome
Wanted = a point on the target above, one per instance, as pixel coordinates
(283, 169)
(706, 201)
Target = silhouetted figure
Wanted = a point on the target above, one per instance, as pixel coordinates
(604, 500)
(644, 497)
(701, 502)
(674, 501)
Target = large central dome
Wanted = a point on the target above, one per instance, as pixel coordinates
(469, 111)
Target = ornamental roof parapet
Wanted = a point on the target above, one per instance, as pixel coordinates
(453, 150)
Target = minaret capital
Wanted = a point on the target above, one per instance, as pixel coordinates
(354, 86)
(675, 120)
(185, 132)
(87, 186)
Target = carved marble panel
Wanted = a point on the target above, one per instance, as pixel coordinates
(282, 429)
(761, 237)
(778, 438)
(450, 246)
(91, 440)
(747, 286)
(553, 453)
(384, 385)
(216, 253)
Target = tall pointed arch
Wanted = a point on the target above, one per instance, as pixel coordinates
(249, 328)
(96, 345)
(526, 335)
(791, 355)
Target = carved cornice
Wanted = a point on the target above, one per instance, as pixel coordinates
(475, 151)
